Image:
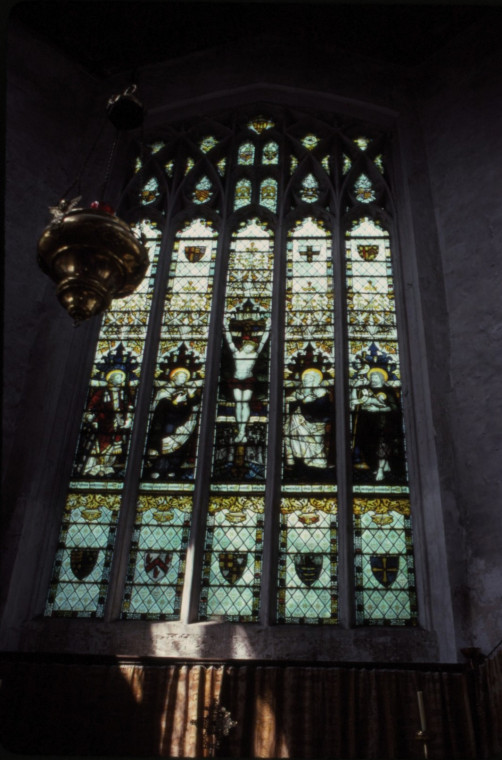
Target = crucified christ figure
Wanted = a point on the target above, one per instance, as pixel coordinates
(243, 381)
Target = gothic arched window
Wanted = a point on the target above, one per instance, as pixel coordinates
(246, 401)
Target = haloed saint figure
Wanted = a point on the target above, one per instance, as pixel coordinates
(377, 431)
(309, 424)
(174, 420)
(107, 422)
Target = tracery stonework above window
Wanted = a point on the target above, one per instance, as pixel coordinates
(268, 315)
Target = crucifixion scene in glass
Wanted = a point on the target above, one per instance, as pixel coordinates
(245, 404)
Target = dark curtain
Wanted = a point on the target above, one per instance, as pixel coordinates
(82, 707)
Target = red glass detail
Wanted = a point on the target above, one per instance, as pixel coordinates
(102, 206)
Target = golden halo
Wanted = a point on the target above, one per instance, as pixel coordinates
(115, 371)
(311, 370)
(380, 370)
(177, 370)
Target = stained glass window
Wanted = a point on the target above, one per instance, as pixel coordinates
(234, 340)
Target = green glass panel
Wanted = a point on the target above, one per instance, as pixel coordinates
(309, 189)
(203, 191)
(246, 153)
(242, 193)
(150, 191)
(268, 194)
(270, 153)
(208, 143)
(310, 141)
(363, 189)
(156, 571)
(362, 142)
(231, 578)
(384, 568)
(307, 591)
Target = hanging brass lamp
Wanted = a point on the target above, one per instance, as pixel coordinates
(91, 254)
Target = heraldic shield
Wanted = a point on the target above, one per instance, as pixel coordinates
(83, 562)
(385, 568)
(308, 567)
(157, 564)
(232, 565)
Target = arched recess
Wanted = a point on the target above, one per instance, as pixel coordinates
(284, 96)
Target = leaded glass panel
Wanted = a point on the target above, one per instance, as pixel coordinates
(80, 577)
(242, 193)
(268, 194)
(270, 154)
(203, 191)
(309, 190)
(157, 559)
(246, 154)
(232, 567)
(308, 553)
(385, 587)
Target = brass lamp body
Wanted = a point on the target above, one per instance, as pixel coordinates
(94, 257)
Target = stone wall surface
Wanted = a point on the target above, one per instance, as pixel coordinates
(461, 119)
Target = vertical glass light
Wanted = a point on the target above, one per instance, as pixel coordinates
(79, 582)
(307, 590)
(233, 544)
(157, 558)
(384, 569)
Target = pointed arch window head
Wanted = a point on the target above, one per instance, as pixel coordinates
(255, 325)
